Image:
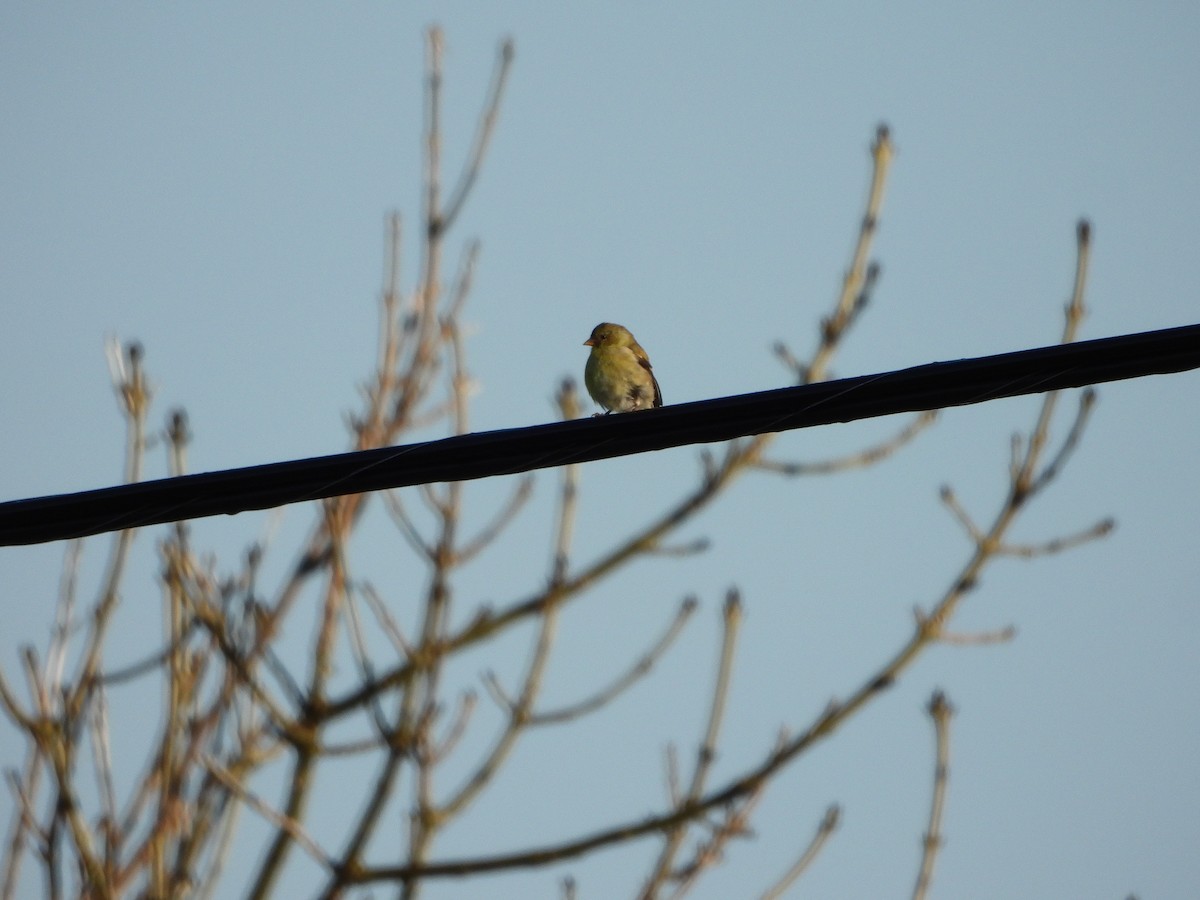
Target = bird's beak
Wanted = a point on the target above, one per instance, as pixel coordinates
(590, 342)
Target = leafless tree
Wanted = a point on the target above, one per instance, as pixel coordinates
(235, 707)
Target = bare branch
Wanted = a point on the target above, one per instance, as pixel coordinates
(362, 656)
(280, 820)
(483, 136)
(24, 790)
(708, 853)
(825, 830)
(940, 711)
(102, 755)
(395, 508)
(64, 624)
(859, 460)
(636, 672)
(978, 638)
(674, 784)
(691, 548)
(384, 617)
(964, 518)
(1101, 529)
(856, 283)
(706, 755)
(789, 360)
(567, 401)
(12, 706)
(503, 518)
(458, 727)
(520, 711)
(1027, 482)
(1087, 402)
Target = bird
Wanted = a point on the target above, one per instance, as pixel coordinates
(618, 373)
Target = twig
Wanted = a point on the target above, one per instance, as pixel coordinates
(855, 282)
(64, 626)
(502, 519)
(405, 524)
(102, 755)
(706, 755)
(24, 820)
(1087, 402)
(674, 784)
(978, 638)
(276, 818)
(691, 548)
(731, 621)
(1027, 483)
(483, 136)
(384, 617)
(362, 656)
(1101, 529)
(825, 830)
(637, 671)
(708, 853)
(861, 459)
(964, 518)
(457, 728)
(567, 401)
(940, 711)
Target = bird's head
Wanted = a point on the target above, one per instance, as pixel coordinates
(606, 334)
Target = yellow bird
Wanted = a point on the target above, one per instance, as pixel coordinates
(618, 373)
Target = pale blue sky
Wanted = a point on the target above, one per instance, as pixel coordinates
(213, 180)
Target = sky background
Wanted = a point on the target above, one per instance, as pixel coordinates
(213, 181)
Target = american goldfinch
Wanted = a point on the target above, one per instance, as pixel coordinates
(618, 374)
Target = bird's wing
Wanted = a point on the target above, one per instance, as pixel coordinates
(644, 362)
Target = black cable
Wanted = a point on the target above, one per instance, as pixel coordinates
(506, 452)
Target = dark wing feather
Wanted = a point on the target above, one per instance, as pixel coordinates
(645, 364)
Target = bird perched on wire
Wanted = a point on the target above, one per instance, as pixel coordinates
(618, 373)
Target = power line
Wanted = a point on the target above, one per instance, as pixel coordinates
(513, 450)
